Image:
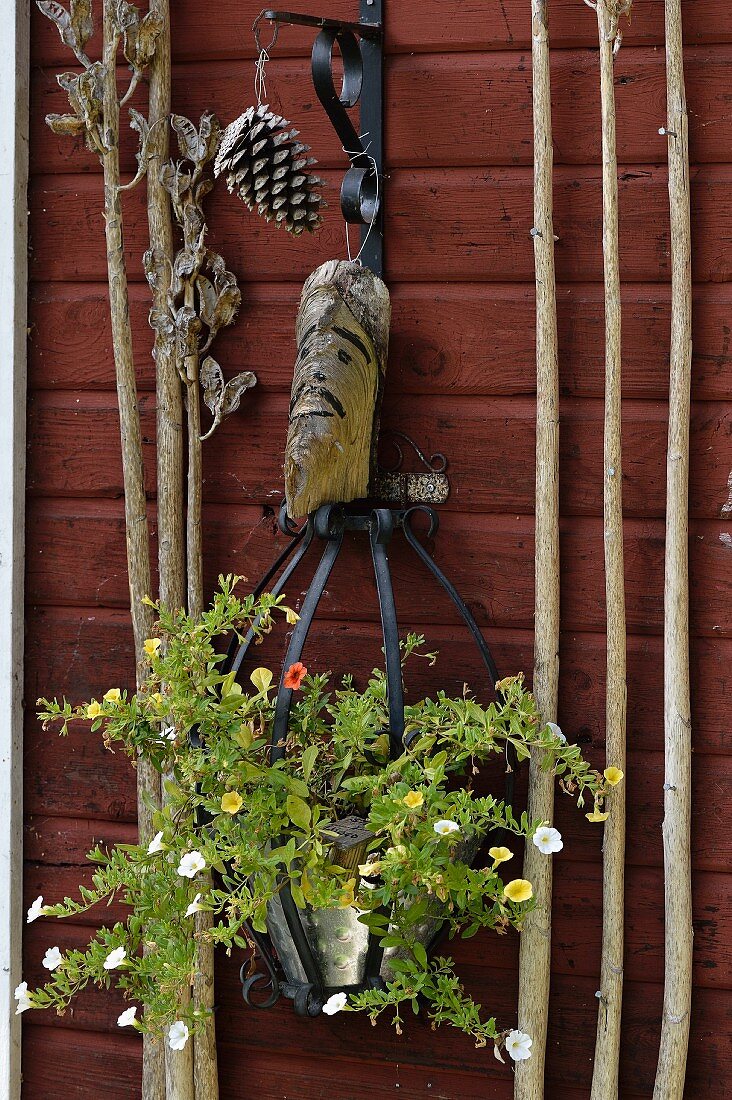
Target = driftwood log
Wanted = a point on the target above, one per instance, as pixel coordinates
(342, 341)
(535, 956)
(679, 933)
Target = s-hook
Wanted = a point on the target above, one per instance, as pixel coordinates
(361, 49)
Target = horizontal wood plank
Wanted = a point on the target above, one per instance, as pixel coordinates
(80, 652)
(441, 25)
(576, 945)
(488, 558)
(79, 778)
(569, 1050)
(74, 451)
(442, 224)
(485, 97)
(445, 339)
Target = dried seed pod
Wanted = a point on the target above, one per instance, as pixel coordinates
(264, 164)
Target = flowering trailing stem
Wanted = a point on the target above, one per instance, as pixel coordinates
(269, 823)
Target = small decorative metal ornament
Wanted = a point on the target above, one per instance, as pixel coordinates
(308, 954)
(270, 170)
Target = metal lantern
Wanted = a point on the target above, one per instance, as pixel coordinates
(307, 955)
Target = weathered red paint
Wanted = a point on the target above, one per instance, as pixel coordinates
(461, 378)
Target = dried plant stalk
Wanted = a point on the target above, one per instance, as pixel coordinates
(535, 957)
(671, 1071)
(607, 1042)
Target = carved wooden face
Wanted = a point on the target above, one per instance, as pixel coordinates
(334, 396)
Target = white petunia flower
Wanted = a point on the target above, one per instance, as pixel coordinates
(194, 907)
(444, 828)
(335, 1004)
(191, 864)
(177, 1035)
(156, 844)
(556, 730)
(36, 910)
(548, 840)
(518, 1045)
(127, 1017)
(52, 958)
(114, 958)
(23, 998)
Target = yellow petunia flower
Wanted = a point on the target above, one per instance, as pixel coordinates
(499, 855)
(613, 776)
(519, 889)
(231, 802)
(151, 646)
(291, 616)
(598, 815)
(156, 698)
(113, 695)
(94, 709)
(368, 870)
(413, 800)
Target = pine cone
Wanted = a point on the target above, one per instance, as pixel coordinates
(269, 168)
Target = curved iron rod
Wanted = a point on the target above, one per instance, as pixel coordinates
(381, 526)
(467, 617)
(334, 536)
(452, 592)
(233, 664)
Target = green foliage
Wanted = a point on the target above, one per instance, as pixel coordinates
(336, 763)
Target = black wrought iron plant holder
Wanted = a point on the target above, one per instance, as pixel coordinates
(328, 525)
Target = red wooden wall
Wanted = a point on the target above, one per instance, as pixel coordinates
(461, 380)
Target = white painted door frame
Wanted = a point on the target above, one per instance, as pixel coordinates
(14, 73)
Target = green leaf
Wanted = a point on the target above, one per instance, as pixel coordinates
(297, 786)
(420, 954)
(262, 680)
(309, 757)
(298, 811)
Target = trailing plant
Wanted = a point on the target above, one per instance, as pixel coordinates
(258, 824)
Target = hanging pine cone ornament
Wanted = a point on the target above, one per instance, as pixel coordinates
(269, 169)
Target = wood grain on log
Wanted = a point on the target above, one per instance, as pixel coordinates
(342, 341)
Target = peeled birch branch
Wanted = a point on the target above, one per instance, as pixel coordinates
(610, 996)
(677, 994)
(342, 339)
(535, 954)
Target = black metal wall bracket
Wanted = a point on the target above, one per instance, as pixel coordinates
(361, 49)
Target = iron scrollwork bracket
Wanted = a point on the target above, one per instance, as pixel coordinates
(361, 49)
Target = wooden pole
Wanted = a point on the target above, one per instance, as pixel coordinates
(535, 957)
(169, 427)
(671, 1071)
(205, 1068)
(610, 1000)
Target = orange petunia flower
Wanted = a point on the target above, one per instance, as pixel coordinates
(295, 675)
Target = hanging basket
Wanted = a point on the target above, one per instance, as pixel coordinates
(310, 954)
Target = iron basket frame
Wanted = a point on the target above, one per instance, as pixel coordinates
(329, 524)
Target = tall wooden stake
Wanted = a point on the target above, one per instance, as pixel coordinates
(535, 958)
(169, 426)
(610, 1000)
(671, 1070)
